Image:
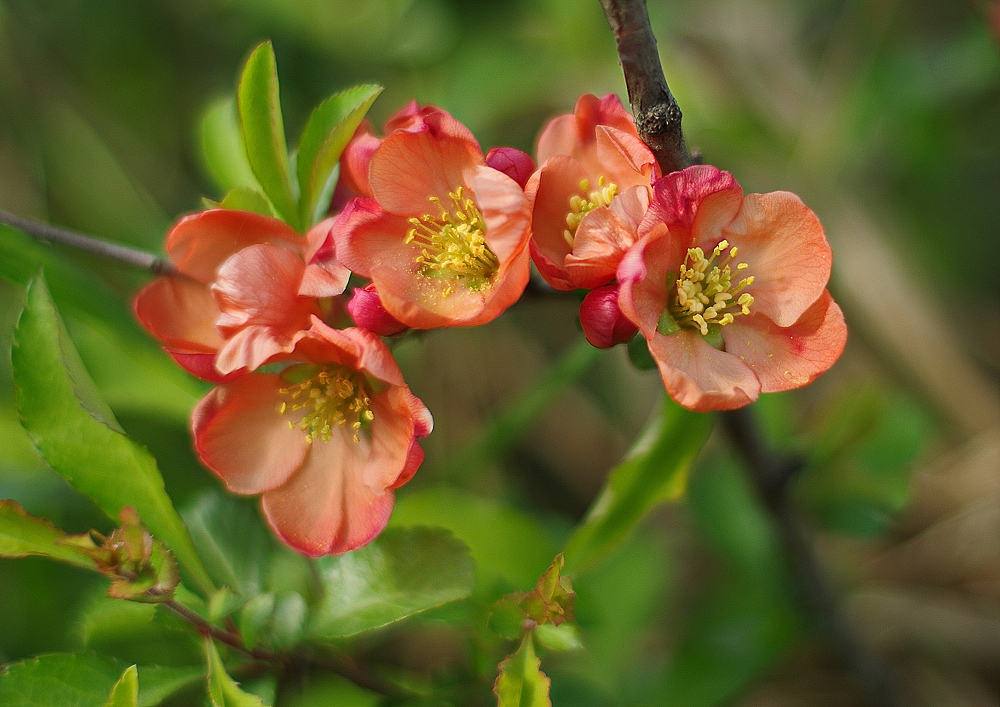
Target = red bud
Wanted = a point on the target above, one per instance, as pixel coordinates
(514, 163)
(604, 325)
(368, 312)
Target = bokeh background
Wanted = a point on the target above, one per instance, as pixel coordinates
(884, 115)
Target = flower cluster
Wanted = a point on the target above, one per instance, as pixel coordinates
(728, 291)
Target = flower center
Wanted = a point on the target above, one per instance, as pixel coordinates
(706, 293)
(327, 396)
(580, 206)
(453, 243)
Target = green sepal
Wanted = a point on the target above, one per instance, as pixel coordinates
(666, 324)
(639, 355)
(223, 691)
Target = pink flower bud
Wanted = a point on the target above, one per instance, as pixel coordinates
(514, 163)
(604, 325)
(368, 312)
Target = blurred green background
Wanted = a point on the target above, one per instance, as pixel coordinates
(883, 115)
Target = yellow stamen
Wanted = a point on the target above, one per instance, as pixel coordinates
(706, 292)
(329, 397)
(453, 243)
(580, 206)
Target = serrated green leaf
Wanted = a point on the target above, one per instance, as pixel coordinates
(22, 534)
(330, 127)
(78, 435)
(400, 573)
(229, 535)
(247, 199)
(125, 693)
(222, 147)
(655, 471)
(264, 132)
(84, 680)
(521, 683)
(223, 691)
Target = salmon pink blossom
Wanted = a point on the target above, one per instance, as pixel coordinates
(729, 290)
(444, 236)
(247, 288)
(590, 193)
(325, 441)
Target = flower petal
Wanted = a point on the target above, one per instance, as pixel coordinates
(699, 376)
(505, 211)
(356, 157)
(240, 435)
(783, 243)
(557, 181)
(180, 312)
(623, 158)
(409, 168)
(324, 276)
(198, 244)
(642, 274)
(678, 197)
(603, 237)
(574, 134)
(365, 236)
(326, 508)
(789, 357)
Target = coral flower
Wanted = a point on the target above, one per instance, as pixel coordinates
(729, 290)
(324, 442)
(590, 193)
(247, 288)
(444, 236)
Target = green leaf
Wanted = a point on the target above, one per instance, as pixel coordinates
(324, 138)
(125, 693)
(508, 545)
(229, 535)
(223, 691)
(84, 680)
(521, 683)
(264, 132)
(22, 534)
(328, 691)
(656, 471)
(247, 199)
(564, 637)
(78, 435)
(222, 147)
(400, 573)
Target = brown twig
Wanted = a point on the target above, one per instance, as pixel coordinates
(113, 251)
(331, 660)
(657, 115)
(658, 122)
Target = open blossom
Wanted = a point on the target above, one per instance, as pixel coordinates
(729, 290)
(443, 236)
(325, 441)
(247, 288)
(591, 191)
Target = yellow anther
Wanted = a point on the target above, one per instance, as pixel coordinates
(453, 243)
(580, 206)
(333, 396)
(705, 290)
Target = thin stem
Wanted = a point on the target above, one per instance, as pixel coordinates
(231, 639)
(658, 122)
(771, 473)
(657, 115)
(114, 251)
(333, 661)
